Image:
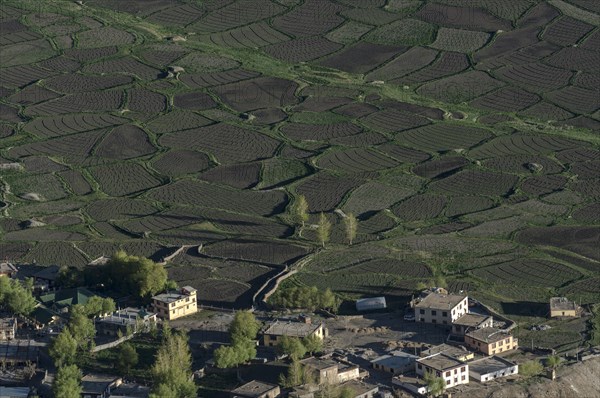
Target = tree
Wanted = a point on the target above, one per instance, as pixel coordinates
(295, 375)
(63, 349)
(292, 347)
(127, 358)
(328, 300)
(244, 326)
(69, 277)
(17, 298)
(81, 327)
(435, 384)
(351, 224)
(67, 382)
(305, 297)
(531, 368)
(236, 354)
(553, 361)
(97, 306)
(129, 274)
(172, 369)
(171, 285)
(299, 212)
(5, 288)
(323, 229)
(312, 344)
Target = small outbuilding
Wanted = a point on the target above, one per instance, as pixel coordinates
(256, 389)
(371, 304)
(397, 362)
(491, 368)
(416, 385)
(471, 321)
(563, 307)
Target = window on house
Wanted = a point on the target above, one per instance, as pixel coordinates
(433, 321)
(463, 378)
(421, 311)
(448, 382)
(448, 374)
(494, 345)
(455, 371)
(433, 313)
(445, 322)
(444, 313)
(462, 369)
(419, 366)
(506, 341)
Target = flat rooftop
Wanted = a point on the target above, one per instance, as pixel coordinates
(440, 362)
(489, 365)
(170, 297)
(97, 383)
(471, 319)
(295, 329)
(127, 315)
(395, 361)
(359, 387)
(562, 304)
(489, 335)
(319, 364)
(254, 388)
(441, 301)
(446, 349)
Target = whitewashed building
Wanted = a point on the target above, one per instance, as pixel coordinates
(442, 309)
(491, 368)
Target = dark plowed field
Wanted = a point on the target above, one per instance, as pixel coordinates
(462, 134)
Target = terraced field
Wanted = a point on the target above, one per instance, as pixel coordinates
(462, 134)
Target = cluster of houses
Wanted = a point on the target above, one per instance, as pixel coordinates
(471, 334)
(19, 349)
(473, 352)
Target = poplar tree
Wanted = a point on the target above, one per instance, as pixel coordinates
(351, 224)
(323, 229)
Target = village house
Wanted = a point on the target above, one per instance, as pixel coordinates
(46, 278)
(272, 334)
(61, 300)
(18, 353)
(173, 305)
(453, 371)
(42, 317)
(125, 320)
(441, 309)
(457, 352)
(7, 269)
(130, 390)
(98, 386)
(397, 362)
(330, 371)
(491, 368)
(8, 328)
(15, 392)
(490, 341)
(256, 389)
(563, 307)
(471, 321)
